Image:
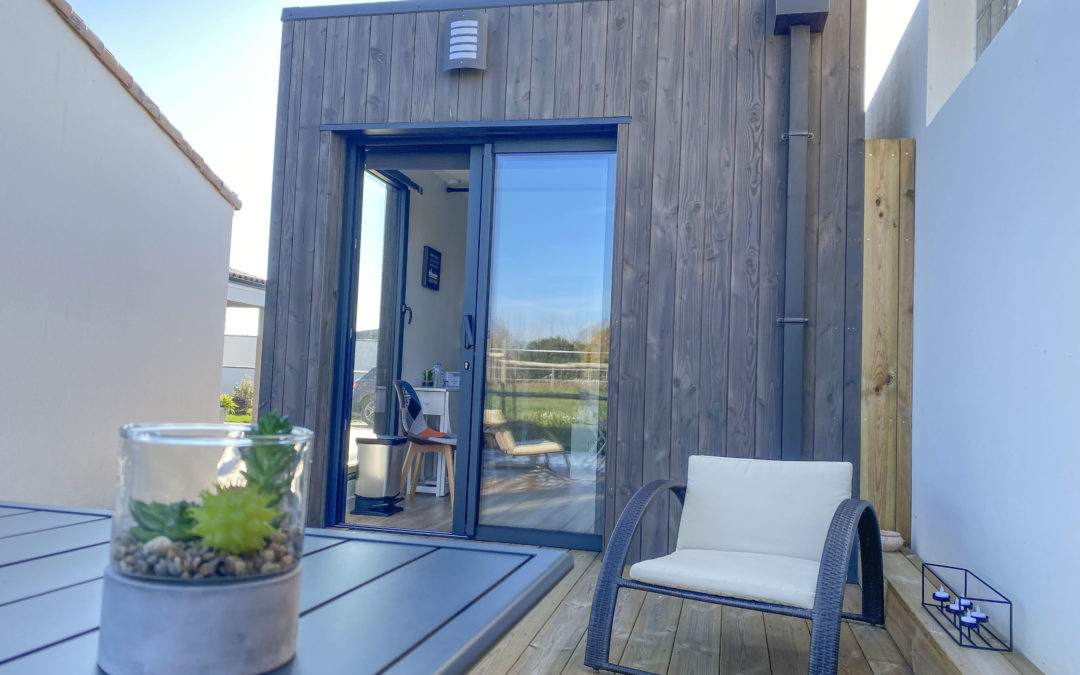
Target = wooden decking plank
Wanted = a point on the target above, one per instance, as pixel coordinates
(653, 636)
(852, 660)
(627, 609)
(879, 649)
(743, 645)
(788, 638)
(554, 644)
(697, 639)
(513, 644)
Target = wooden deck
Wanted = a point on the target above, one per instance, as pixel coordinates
(669, 635)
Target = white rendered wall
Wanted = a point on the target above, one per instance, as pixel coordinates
(995, 449)
(113, 267)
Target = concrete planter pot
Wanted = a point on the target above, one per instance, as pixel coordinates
(163, 628)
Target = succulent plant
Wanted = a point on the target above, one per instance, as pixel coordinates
(269, 467)
(234, 519)
(155, 519)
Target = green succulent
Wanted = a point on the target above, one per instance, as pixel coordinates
(269, 467)
(234, 519)
(155, 519)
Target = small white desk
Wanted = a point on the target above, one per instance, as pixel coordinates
(436, 403)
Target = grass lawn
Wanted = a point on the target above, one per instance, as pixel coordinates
(241, 419)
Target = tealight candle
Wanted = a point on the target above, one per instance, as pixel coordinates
(979, 615)
(941, 595)
(965, 603)
(954, 608)
(968, 620)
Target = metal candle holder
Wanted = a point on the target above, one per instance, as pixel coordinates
(960, 613)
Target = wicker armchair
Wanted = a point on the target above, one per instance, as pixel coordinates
(764, 535)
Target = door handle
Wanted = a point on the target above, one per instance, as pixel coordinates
(468, 331)
(406, 310)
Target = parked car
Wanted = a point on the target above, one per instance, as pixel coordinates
(364, 396)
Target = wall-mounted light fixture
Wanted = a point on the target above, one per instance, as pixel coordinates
(465, 40)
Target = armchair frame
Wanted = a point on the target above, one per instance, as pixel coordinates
(853, 519)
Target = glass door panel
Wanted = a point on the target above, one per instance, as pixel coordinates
(548, 332)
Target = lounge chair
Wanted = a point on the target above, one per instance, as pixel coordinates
(422, 440)
(764, 535)
(501, 438)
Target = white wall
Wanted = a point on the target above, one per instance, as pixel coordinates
(437, 219)
(996, 455)
(113, 267)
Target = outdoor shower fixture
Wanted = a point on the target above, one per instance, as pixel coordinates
(798, 18)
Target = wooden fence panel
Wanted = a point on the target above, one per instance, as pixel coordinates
(885, 473)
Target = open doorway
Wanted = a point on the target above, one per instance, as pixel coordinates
(409, 303)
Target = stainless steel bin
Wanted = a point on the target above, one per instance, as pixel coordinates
(378, 474)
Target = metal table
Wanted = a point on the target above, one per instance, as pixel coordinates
(370, 602)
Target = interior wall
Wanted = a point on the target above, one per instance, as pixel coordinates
(113, 268)
(996, 375)
(437, 218)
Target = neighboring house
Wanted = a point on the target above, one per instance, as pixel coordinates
(114, 246)
(240, 356)
(995, 456)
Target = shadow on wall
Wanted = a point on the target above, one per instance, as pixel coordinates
(897, 106)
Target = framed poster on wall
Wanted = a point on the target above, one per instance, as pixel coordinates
(432, 268)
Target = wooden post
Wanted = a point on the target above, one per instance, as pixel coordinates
(889, 191)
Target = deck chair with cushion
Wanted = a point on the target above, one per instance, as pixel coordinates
(422, 440)
(764, 535)
(499, 436)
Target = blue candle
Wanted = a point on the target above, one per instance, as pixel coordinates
(941, 595)
(968, 620)
(965, 603)
(979, 615)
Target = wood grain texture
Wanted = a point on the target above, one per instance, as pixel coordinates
(493, 89)
(853, 264)
(689, 249)
(402, 67)
(743, 645)
(568, 60)
(545, 32)
(905, 305)
(746, 231)
(698, 238)
(663, 236)
(880, 302)
(379, 56)
(651, 640)
(519, 63)
(594, 25)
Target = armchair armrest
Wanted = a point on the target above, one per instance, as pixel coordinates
(853, 518)
(629, 520)
(610, 578)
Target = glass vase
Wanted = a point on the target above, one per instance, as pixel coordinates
(209, 502)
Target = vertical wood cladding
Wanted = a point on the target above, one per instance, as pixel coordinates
(699, 241)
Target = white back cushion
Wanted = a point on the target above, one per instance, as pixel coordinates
(761, 506)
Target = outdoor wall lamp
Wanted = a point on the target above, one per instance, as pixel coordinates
(465, 40)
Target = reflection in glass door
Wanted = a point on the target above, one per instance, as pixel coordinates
(548, 333)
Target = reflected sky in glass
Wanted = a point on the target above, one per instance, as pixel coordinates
(551, 254)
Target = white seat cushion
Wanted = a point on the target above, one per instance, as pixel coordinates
(761, 506)
(750, 576)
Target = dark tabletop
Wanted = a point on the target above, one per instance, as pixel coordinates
(369, 602)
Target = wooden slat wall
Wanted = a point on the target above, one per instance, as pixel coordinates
(698, 248)
(888, 303)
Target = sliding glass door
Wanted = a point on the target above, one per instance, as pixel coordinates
(548, 332)
(482, 279)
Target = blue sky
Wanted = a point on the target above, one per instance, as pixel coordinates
(212, 68)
